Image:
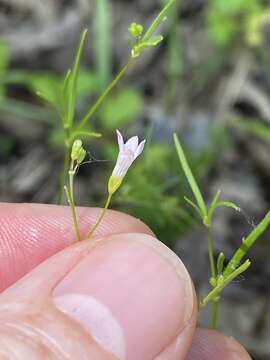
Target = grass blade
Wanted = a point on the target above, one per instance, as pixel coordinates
(191, 180)
(73, 81)
(220, 263)
(103, 42)
(158, 20)
(228, 204)
(194, 206)
(84, 134)
(64, 99)
(213, 207)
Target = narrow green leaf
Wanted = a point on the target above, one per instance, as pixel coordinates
(174, 66)
(194, 206)
(213, 207)
(154, 40)
(228, 204)
(220, 263)
(73, 79)
(83, 133)
(4, 62)
(26, 111)
(66, 84)
(216, 204)
(158, 20)
(46, 98)
(5, 57)
(142, 45)
(103, 43)
(191, 180)
(64, 99)
(252, 126)
(246, 244)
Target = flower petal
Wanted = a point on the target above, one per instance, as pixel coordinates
(120, 140)
(139, 149)
(132, 144)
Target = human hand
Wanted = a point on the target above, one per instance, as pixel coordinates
(120, 295)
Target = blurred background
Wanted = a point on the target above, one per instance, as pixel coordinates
(209, 81)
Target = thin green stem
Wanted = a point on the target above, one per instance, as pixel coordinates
(62, 177)
(102, 97)
(73, 213)
(214, 308)
(71, 183)
(211, 252)
(75, 222)
(70, 198)
(246, 245)
(214, 314)
(100, 218)
(71, 192)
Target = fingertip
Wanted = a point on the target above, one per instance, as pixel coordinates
(211, 345)
(129, 292)
(30, 233)
(137, 286)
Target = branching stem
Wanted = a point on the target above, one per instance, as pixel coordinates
(102, 97)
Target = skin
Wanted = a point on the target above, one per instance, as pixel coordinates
(121, 295)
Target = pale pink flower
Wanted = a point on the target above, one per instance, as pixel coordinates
(128, 152)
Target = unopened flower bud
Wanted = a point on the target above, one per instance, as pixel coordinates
(135, 29)
(78, 153)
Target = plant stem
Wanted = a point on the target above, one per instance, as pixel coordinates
(71, 184)
(100, 218)
(102, 97)
(214, 314)
(215, 303)
(62, 177)
(211, 252)
(246, 245)
(70, 198)
(75, 222)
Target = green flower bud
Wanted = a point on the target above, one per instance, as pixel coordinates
(81, 156)
(78, 153)
(135, 29)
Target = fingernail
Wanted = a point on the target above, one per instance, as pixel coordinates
(131, 293)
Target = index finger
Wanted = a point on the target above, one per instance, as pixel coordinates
(30, 233)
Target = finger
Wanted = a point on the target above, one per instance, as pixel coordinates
(126, 295)
(211, 345)
(30, 233)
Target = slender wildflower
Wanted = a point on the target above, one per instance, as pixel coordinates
(128, 152)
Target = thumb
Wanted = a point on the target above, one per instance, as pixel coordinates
(121, 297)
